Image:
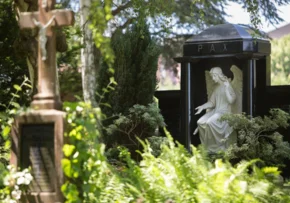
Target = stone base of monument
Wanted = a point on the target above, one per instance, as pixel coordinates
(37, 140)
(46, 101)
(46, 104)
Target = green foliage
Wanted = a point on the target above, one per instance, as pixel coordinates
(135, 70)
(265, 8)
(141, 122)
(73, 35)
(164, 16)
(12, 183)
(100, 16)
(69, 61)
(3, 172)
(7, 118)
(258, 139)
(82, 152)
(13, 67)
(130, 111)
(280, 61)
(155, 143)
(70, 83)
(174, 176)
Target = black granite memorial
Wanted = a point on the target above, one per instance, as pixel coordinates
(223, 46)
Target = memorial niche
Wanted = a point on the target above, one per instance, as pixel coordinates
(37, 151)
(222, 46)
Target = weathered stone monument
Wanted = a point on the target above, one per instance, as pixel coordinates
(37, 136)
(240, 58)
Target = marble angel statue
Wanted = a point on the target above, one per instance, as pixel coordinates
(224, 96)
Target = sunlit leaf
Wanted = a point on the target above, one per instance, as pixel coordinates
(17, 87)
(68, 149)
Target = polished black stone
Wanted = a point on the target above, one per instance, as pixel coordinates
(227, 39)
(222, 46)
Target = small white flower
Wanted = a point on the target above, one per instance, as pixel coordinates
(76, 155)
(243, 185)
(26, 182)
(7, 180)
(28, 177)
(20, 180)
(98, 110)
(79, 108)
(10, 122)
(25, 170)
(98, 162)
(10, 167)
(12, 201)
(16, 194)
(14, 175)
(67, 108)
(69, 120)
(20, 174)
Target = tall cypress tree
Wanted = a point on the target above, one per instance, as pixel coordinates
(135, 70)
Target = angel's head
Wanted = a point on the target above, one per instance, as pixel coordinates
(217, 75)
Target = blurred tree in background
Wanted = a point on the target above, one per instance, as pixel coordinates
(280, 61)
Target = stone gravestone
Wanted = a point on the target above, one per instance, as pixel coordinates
(240, 55)
(37, 136)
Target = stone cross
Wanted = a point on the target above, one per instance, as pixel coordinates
(46, 19)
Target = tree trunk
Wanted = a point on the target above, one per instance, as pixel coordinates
(89, 56)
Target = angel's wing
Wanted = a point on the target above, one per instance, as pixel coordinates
(237, 84)
(209, 84)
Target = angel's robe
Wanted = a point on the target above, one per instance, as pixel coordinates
(216, 135)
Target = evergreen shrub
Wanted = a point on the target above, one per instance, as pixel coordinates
(136, 56)
(258, 138)
(141, 122)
